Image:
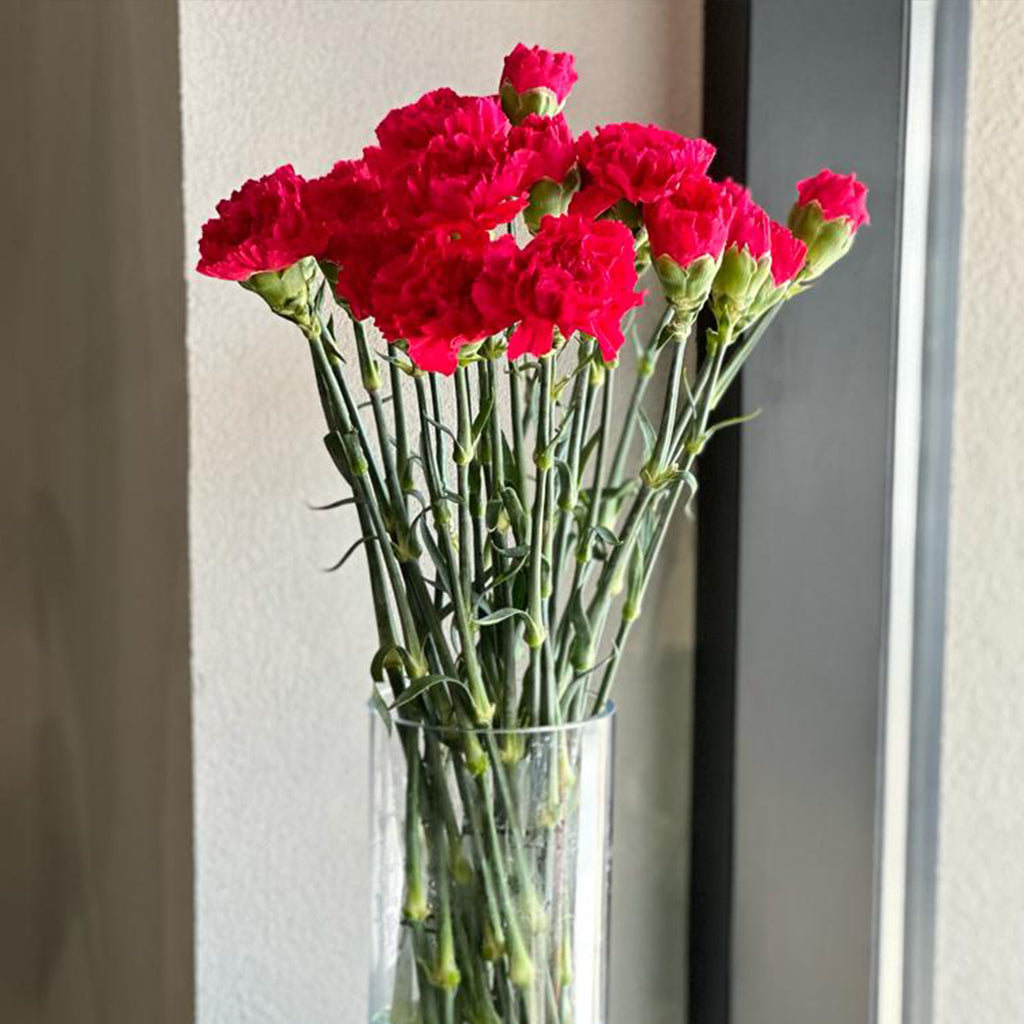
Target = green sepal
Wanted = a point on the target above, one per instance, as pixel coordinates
(289, 292)
(686, 288)
(519, 105)
(827, 240)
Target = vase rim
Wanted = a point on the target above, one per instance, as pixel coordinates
(607, 713)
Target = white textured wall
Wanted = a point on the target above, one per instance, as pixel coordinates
(980, 955)
(280, 650)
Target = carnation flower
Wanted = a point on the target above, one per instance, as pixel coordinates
(408, 130)
(577, 275)
(838, 195)
(687, 232)
(358, 237)
(640, 163)
(547, 147)
(466, 174)
(535, 81)
(788, 254)
(746, 263)
(263, 226)
(691, 222)
(530, 67)
(425, 297)
(750, 228)
(829, 210)
(346, 201)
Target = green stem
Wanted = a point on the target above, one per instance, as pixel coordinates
(713, 364)
(483, 709)
(644, 374)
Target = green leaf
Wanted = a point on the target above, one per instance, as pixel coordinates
(379, 705)
(334, 504)
(348, 554)
(420, 686)
(377, 666)
(588, 450)
(482, 418)
(444, 430)
(734, 422)
(501, 615)
(650, 435)
(607, 536)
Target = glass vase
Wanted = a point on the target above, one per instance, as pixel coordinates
(491, 858)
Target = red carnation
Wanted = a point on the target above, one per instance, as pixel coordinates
(829, 210)
(641, 163)
(838, 195)
(346, 201)
(750, 228)
(533, 68)
(691, 222)
(788, 254)
(263, 226)
(548, 145)
(467, 174)
(577, 275)
(408, 130)
(426, 298)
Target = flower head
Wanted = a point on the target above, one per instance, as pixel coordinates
(536, 81)
(466, 174)
(687, 231)
(691, 222)
(577, 274)
(829, 211)
(636, 162)
(346, 201)
(406, 131)
(264, 226)
(838, 195)
(547, 145)
(425, 297)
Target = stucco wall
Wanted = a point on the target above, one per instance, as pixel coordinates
(280, 649)
(980, 954)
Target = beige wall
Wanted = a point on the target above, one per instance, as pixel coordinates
(95, 821)
(980, 954)
(280, 649)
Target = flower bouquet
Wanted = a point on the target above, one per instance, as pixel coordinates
(465, 289)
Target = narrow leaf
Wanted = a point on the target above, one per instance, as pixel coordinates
(379, 705)
(348, 554)
(421, 685)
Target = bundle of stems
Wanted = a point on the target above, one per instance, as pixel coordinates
(501, 550)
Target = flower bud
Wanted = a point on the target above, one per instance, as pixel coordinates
(738, 282)
(535, 81)
(829, 210)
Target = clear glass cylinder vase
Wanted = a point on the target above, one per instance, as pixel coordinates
(491, 859)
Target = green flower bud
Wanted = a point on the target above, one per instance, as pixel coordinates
(737, 283)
